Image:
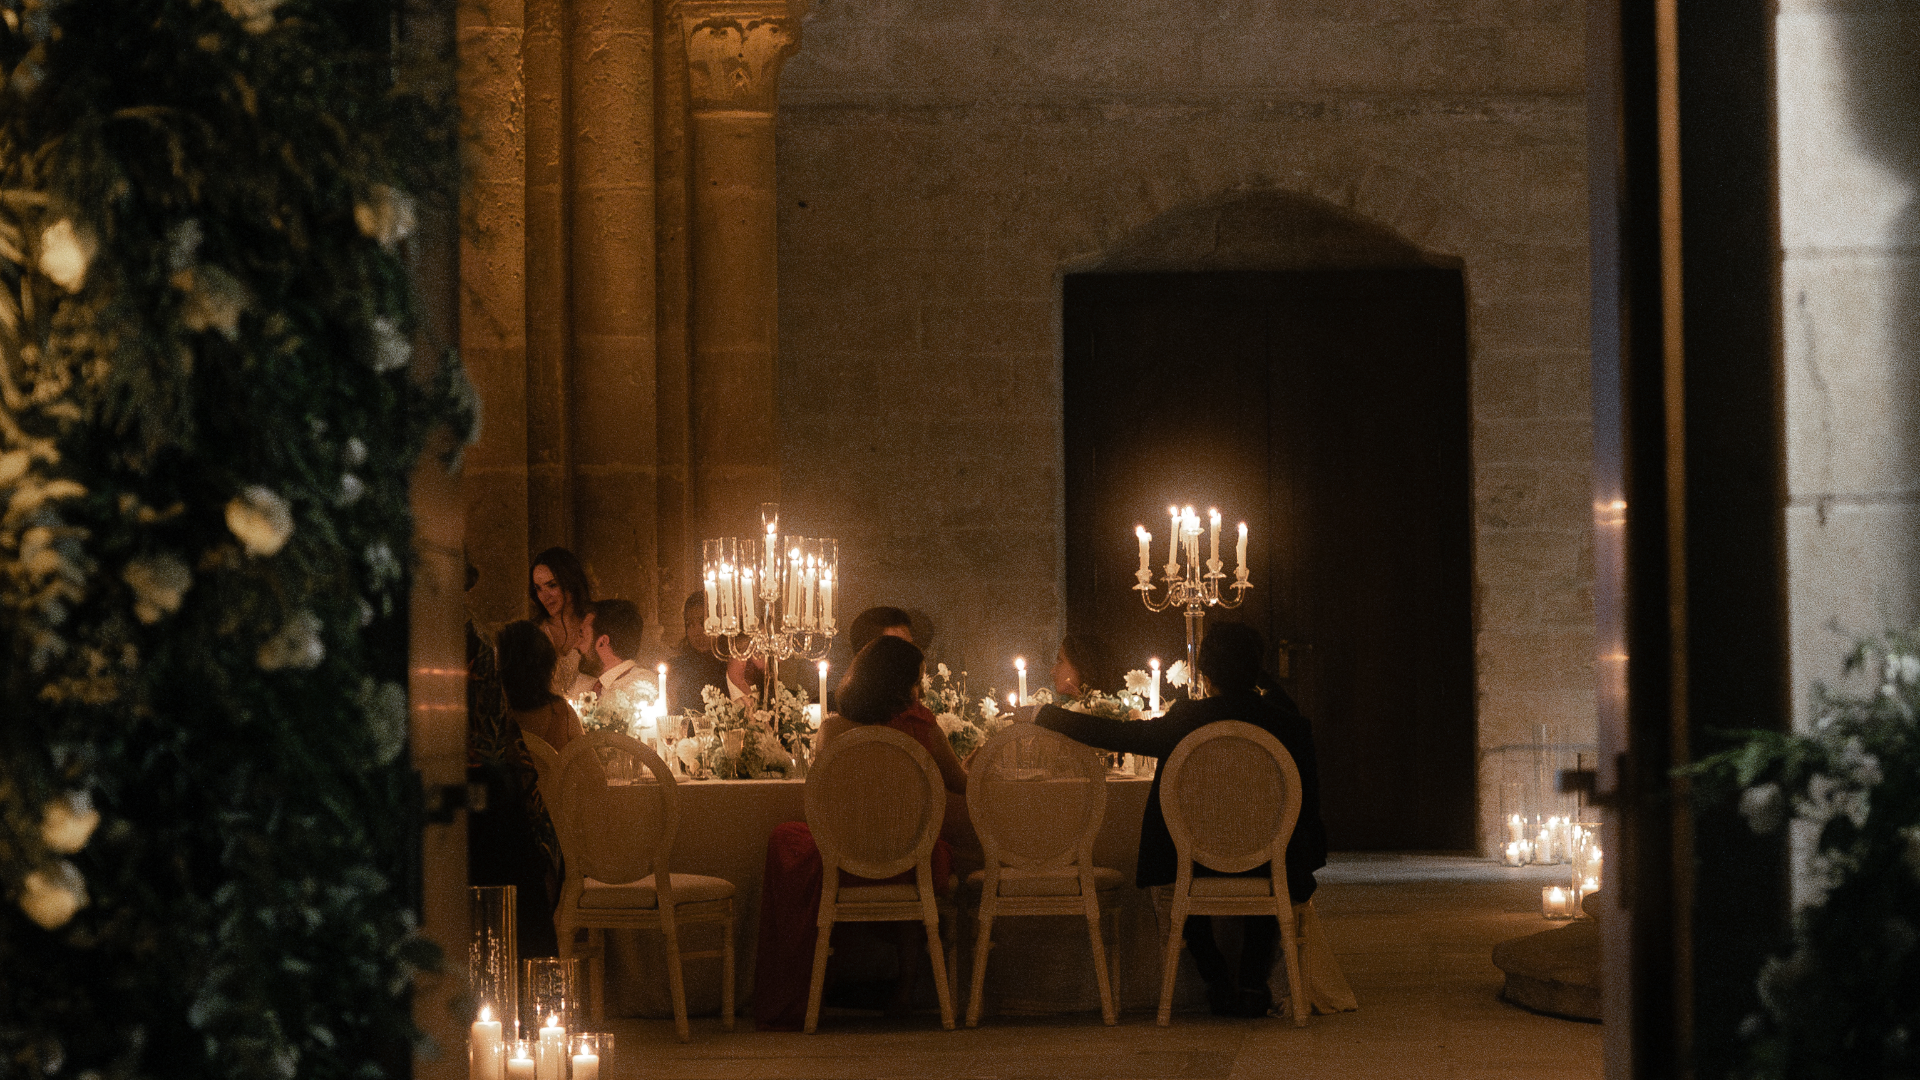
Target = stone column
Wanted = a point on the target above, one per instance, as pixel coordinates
(734, 52)
(493, 303)
(549, 413)
(609, 146)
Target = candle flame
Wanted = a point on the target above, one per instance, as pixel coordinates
(1020, 663)
(1243, 528)
(553, 1020)
(1154, 663)
(1141, 532)
(486, 1014)
(1013, 700)
(1214, 514)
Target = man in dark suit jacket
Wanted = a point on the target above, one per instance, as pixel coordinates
(1230, 661)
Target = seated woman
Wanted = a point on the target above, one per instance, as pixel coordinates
(1083, 665)
(883, 687)
(527, 662)
(561, 598)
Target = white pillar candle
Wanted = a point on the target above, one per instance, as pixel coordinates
(1556, 902)
(1190, 524)
(1240, 554)
(1153, 695)
(713, 602)
(771, 552)
(1013, 701)
(810, 618)
(1173, 541)
(1020, 668)
(1515, 830)
(793, 588)
(1543, 847)
(586, 1065)
(749, 599)
(550, 1057)
(823, 682)
(486, 1053)
(1213, 552)
(1145, 538)
(826, 600)
(520, 1065)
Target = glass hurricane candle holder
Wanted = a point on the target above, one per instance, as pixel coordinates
(550, 995)
(493, 954)
(1557, 902)
(592, 1055)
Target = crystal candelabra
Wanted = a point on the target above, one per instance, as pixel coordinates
(771, 596)
(1195, 586)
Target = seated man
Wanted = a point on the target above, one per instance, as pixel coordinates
(694, 667)
(1230, 662)
(612, 633)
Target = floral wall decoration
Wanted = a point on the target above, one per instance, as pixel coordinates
(208, 418)
(1844, 1000)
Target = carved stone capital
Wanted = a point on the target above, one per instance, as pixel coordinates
(735, 49)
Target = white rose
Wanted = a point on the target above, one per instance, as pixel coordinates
(159, 584)
(989, 708)
(297, 645)
(1177, 674)
(261, 520)
(64, 255)
(387, 215)
(944, 673)
(949, 722)
(68, 823)
(391, 349)
(1139, 682)
(51, 899)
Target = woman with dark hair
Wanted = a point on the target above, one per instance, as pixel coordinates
(1084, 664)
(561, 597)
(526, 675)
(882, 687)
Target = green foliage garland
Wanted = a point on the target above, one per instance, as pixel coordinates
(1845, 1003)
(206, 818)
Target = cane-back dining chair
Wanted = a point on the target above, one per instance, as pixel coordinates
(1037, 799)
(1231, 795)
(874, 802)
(616, 819)
(546, 766)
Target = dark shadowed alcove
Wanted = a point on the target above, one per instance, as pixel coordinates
(1305, 371)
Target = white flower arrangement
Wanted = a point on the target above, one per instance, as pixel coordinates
(966, 722)
(748, 742)
(65, 253)
(621, 708)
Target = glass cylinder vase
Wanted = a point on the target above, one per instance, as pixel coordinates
(550, 994)
(493, 954)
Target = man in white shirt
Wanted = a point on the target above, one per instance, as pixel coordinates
(613, 630)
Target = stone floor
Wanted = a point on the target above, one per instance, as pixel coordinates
(1413, 933)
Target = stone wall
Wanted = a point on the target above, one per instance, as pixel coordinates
(1849, 158)
(942, 165)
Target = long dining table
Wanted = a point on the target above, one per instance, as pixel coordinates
(1040, 964)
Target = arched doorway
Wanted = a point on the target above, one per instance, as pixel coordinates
(1305, 371)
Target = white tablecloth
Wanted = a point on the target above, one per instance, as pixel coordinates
(1039, 965)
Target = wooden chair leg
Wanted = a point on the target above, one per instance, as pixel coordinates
(726, 972)
(937, 954)
(1290, 948)
(1098, 942)
(1172, 963)
(676, 978)
(982, 948)
(819, 981)
(597, 977)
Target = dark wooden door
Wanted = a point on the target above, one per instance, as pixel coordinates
(1328, 410)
